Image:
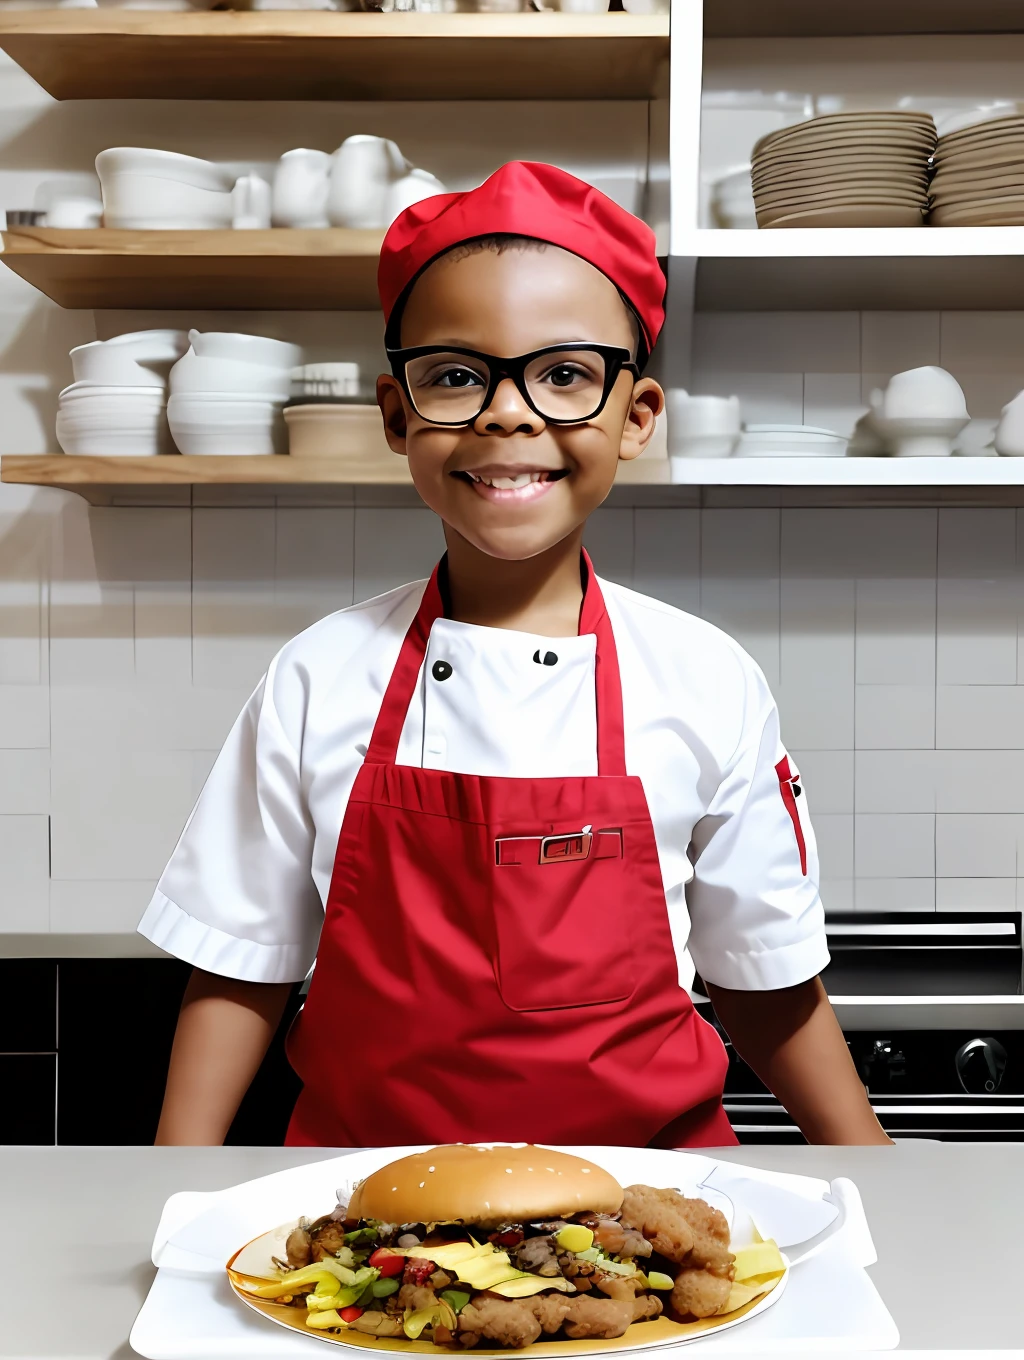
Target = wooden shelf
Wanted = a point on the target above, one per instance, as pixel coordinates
(813, 19)
(297, 270)
(98, 479)
(131, 54)
(866, 268)
(831, 473)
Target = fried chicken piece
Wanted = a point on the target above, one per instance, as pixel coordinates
(416, 1296)
(597, 1317)
(710, 1236)
(658, 1216)
(510, 1322)
(646, 1306)
(699, 1292)
(378, 1324)
(550, 1310)
(539, 1255)
(326, 1240)
(618, 1240)
(616, 1286)
(298, 1248)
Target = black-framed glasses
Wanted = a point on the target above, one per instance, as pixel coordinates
(563, 384)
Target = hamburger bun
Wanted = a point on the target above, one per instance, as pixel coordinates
(469, 1183)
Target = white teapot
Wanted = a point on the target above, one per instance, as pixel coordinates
(363, 171)
(366, 183)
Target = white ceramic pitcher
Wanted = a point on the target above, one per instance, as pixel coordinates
(363, 171)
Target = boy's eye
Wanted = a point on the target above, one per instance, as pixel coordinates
(564, 375)
(457, 377)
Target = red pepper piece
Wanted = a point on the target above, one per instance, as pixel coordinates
(350, 1314)
(387, 1262)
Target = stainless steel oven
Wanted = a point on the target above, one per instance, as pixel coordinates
(932, 1006)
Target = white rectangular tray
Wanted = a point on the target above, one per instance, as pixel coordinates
(829, 1304)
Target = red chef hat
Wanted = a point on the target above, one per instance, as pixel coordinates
(528, 198)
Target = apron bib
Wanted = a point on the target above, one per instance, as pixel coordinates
(496, 962)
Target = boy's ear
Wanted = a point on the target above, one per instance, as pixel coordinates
(646, 404)
(389, 399)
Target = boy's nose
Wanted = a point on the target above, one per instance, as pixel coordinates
(507, 413)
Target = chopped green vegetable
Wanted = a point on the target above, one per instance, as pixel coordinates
(367, 1294)
(575, 1237)
(344, 1298)
(328, 1269)
(360, 1235)
(383, 1288)
(591, 1254)
(656, 1279)
(455, 1298)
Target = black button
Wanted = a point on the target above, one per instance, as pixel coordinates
(548, 659)
(441, 670)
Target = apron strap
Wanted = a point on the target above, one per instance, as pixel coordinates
(611, 745)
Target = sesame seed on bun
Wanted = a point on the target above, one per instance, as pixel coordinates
(489, 1186)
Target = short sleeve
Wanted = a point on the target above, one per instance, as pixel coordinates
(757, 922)
(237, 897)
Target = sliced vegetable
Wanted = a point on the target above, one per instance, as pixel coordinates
(367, 1296)
(324, 1322)
(617, 1267)
(440, 1314)
(760, 1258)
(350, 1314)
(360, 1235)
(575, 1237)
(384, 1287)
(326, 1270)
(526, 1285)
(388, 1262)
(657, 1279)
(456, 1299)
(344, 1298)
(591, 1254)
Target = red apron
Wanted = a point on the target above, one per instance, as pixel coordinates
(496, 962)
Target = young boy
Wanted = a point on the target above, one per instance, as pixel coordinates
(504, 809)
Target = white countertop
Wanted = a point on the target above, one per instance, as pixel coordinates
(946, 1219)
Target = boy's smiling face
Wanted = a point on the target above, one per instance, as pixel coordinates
(509, 303)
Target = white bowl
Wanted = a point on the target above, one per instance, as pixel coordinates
(140, 358)
(207, 424)
(171, 166)
(146, 203)
(228, 377)
(695, 417)
(113, 422)
(705, 445)
(790, 441)
(921, 437)
(248, 349)
(928, 392)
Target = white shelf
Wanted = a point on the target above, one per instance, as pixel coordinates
(867, 268)
(832, 473)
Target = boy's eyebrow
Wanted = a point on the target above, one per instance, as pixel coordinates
(567, 341)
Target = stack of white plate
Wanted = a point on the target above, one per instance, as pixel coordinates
(790, 441)
(979, 176)
(117, 405)
(845, 170)
(228, 392)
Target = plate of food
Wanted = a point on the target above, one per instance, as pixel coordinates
(500, 1247)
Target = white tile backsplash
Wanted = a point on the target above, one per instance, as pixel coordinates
(894, 717)
(130, 637)
(24, 875)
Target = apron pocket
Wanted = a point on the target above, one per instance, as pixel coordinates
(562, 929)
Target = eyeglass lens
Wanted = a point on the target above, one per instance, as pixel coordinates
(563, 385)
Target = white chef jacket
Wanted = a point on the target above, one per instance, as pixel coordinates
(244, 892)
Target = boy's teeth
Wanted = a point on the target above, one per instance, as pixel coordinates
(510, 483)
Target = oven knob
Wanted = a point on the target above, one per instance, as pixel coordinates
(981, 1065)
(883, 1066)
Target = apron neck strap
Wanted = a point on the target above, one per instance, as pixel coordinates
(611, 746)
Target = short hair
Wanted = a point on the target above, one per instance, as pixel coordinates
(501, 243)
